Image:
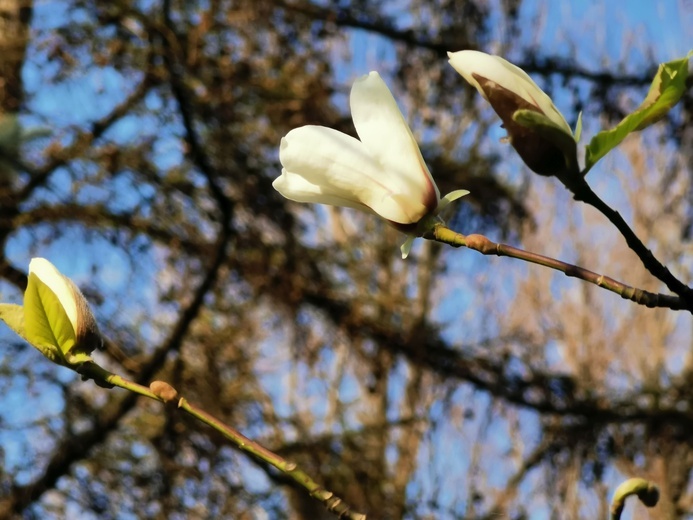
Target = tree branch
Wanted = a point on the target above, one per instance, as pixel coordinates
(85, 139)
(585, 194)
(349, 17)
(77, 447)
(485, 246)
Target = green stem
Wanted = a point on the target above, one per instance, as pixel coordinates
(329, 499)
(101, 375)
(485, 246)
(165, 393)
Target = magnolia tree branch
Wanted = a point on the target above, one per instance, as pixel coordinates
(585, 194)
(499, 509)
(485, 246)
(387, 27)
(165, 393)
(84, 139)
(77, 447)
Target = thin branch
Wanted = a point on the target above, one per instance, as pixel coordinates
(76, 447)
(165, 393)
(352, 18)
(172, 59)
(101, 217)
(82, 142)
(537, 389)
(485, 246)
(533, 460)
(585, 194)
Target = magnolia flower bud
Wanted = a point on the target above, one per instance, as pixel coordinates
(383, 173)
(536, 129)
(86, 336)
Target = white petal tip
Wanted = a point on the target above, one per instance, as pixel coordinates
(372, 76)
(42, 267)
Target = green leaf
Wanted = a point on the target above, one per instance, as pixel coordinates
(13, 316)
(666, 90)
(46, 323)
(552, 132)
(578, 128)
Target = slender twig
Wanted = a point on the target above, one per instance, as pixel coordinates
(101, 217)
(85, 138)
(535, 457)
(384, 26)
(485, 246)
(75, 448)
(185, 108)
(585, 194)
(165, 393)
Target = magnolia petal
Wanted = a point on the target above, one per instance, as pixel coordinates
(506, 75)
(450, 197)
(466, 63)
(384, 132)
(59, 284)
(406, 247)
(296, 188)
(337, 169)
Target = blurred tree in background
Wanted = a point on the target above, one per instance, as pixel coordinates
(449, 385)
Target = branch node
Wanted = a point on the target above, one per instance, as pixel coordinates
(482, 244)
(164, 391)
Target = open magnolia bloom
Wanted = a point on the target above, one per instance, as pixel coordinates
(536, 129)
(382, 173)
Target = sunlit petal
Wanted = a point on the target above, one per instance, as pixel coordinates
(343, 171)
(508, 76)
(297, 188)
(384, 132)
(382, 173)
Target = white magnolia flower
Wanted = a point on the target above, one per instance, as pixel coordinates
(382, 172)
(545, 142)
(86, 331)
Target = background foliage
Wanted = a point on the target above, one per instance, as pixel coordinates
(449, 385)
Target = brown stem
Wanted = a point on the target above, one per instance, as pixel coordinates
(486, 246)
(585, 194)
